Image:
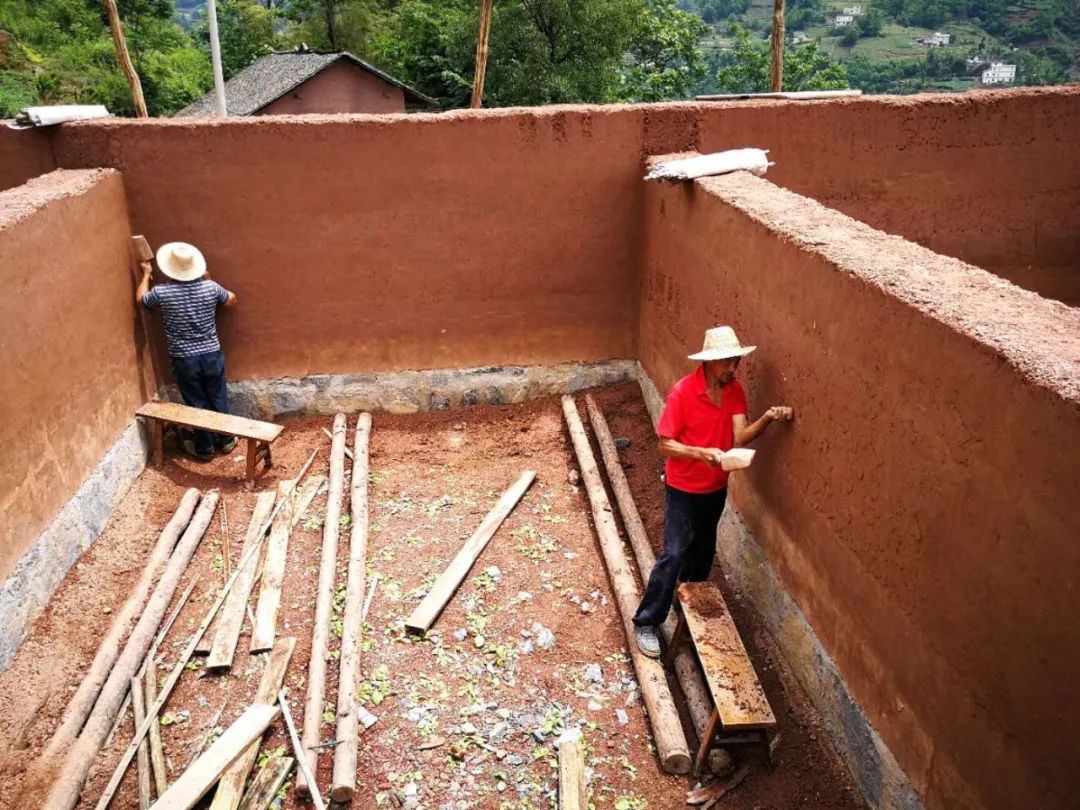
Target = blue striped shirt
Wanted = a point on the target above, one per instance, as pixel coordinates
(188, 308)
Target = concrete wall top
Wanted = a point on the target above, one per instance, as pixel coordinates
(919, 508)
(70, 370)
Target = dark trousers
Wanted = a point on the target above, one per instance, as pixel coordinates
(201, 379)
(690, 523)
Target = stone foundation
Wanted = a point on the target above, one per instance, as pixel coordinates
(28, 589)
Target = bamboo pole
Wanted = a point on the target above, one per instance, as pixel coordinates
(480, 72)
(343, 784)
(776, 77)
(667, 729)
(324, 603)
(690, 678)
(83, 702)
(72, 774)
(178, 668)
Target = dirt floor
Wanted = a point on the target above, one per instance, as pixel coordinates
(484, 681)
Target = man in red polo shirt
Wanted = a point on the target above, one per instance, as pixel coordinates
(705, 416)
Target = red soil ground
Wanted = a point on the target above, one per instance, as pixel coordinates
(433, 477)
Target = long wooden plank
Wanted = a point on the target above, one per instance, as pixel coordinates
(197, 780)
(231, 616)
(668, 735)
(447, 584)
(736, 690)
(225, 423)
(324, 603)
(267, 782)
(277, 550)
(573, 794)
(231, 787)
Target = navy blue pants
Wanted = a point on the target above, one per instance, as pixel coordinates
(201, 379)
(690, 523)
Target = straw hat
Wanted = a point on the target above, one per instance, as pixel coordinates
(721, 344)
(181, 261)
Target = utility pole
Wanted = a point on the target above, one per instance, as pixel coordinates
(125, 59)
(215, 58)
(776, 80)
(481, 55)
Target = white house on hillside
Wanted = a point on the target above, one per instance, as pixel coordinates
(843, 20)
(999, 73)
(938, 39)
(853, 11)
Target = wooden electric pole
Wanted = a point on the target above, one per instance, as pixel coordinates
(776, 80)
(481, 54)
(215, 58)
(125, 59)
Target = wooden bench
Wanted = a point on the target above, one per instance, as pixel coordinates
(170, 415)
(741, 712)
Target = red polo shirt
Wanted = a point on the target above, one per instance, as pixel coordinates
(691, 418)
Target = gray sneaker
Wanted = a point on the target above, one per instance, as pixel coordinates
(647, 641)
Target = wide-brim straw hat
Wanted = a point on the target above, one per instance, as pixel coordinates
(721, 343)
(181, 261)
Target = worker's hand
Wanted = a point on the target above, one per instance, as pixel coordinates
(780, 413)
(713, 456)
(147, 268)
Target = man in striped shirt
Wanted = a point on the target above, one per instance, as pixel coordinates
(188, 306)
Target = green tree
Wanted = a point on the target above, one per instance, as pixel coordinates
(746, 68)
(245, 32)
(850, 36)
(870, 23)
(666, 58)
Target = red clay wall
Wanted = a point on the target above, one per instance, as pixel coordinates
(24, 153)
(71, 380)
(921, 507)
(414, 241)
(992, 178)
(341, 88)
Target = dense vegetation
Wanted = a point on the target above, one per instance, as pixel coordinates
(541, 51)
(881, 51)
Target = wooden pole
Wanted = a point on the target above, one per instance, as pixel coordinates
(343, 784)
(698, 700)
(138, 712)
(215, 58)
(117, 31)
(72, 774)
(776, 79)
(667, 728)
(178, 668)
(157, 752)
(83, 703)
(481, 55)
(324, 604)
